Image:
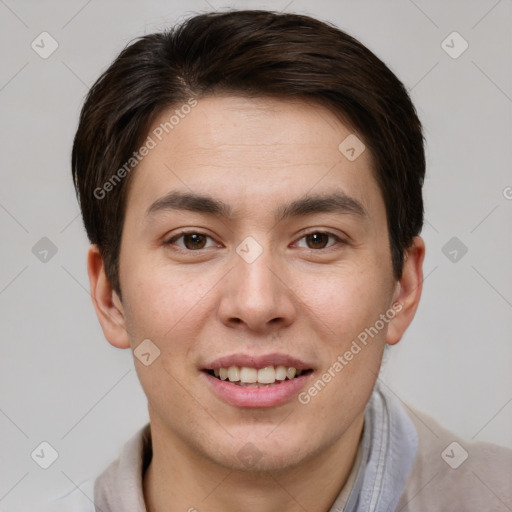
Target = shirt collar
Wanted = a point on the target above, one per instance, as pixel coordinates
(388, 449)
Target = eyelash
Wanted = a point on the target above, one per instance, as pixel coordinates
(338, 240)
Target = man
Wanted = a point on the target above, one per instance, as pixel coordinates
(251, 184)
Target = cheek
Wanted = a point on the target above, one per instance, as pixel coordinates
(344, 301)
(164, 304)
(167, 308)
(347, 306)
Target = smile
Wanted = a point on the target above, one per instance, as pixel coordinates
(252, 377)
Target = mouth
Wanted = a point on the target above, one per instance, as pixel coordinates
(250, 377)
(257, 381)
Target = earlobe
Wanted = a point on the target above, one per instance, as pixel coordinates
(107, 304)
(408, 291)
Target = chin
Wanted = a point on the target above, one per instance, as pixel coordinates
(272, 451)
(251, 459)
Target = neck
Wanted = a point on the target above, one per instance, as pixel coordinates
(179, 475)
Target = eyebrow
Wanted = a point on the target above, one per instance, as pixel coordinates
(337, 202)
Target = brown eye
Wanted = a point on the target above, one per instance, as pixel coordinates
(194, 241)
(320, 240)
(317, 240)
(191, 241)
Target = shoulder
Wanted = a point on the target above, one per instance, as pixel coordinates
(451, 474)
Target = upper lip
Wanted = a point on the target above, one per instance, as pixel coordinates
(261, 361)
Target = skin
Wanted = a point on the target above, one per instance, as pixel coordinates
(304, 296)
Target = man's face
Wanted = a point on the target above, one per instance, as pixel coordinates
(257, 285)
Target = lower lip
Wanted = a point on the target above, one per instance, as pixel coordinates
(270, 396)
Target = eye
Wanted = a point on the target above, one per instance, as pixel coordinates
(195, 241)
(319, 239)
(192, 240)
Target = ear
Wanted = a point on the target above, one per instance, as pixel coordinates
(408, 292)
(106, 301)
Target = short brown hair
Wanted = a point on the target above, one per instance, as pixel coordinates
(254, 53)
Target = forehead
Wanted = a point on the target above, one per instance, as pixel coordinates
(248, 150)
(246, 125)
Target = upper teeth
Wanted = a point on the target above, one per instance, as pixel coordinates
(267, 375)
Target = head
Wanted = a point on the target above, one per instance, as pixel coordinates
(293, 160)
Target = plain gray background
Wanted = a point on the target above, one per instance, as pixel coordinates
(60, 380)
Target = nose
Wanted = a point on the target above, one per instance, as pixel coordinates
(256, 296)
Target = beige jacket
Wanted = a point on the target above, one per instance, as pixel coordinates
(452, 475)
